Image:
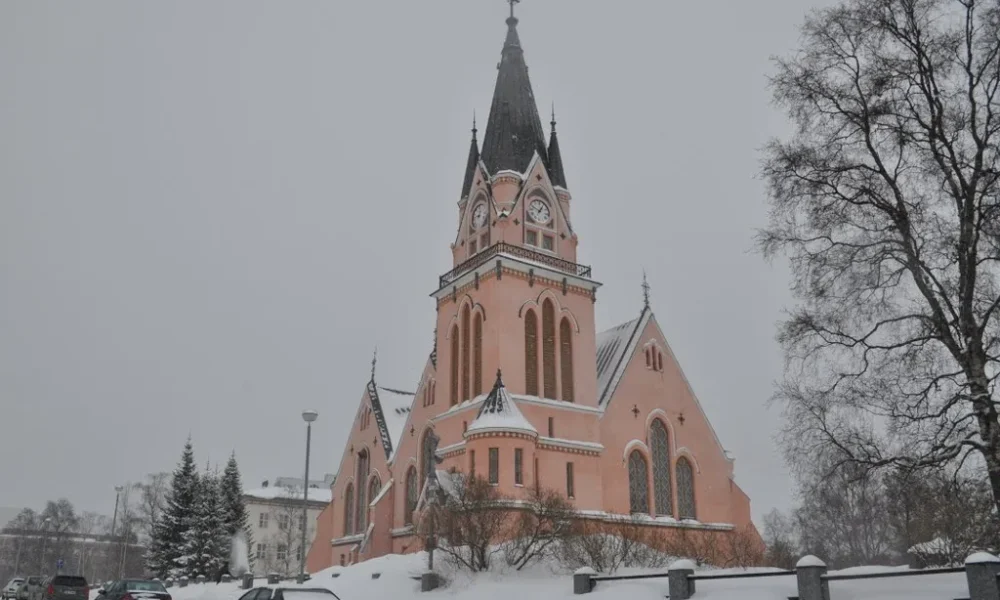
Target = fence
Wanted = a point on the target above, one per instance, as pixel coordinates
(982, 572)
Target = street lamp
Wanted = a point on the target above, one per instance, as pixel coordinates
(308, 416)
(45, 541)
(114, 521)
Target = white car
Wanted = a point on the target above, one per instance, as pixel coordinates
(10, 590)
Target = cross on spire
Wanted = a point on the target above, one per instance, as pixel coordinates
(374, 360)
(512, 3)
(645, 290)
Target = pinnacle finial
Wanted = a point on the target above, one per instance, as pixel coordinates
(499, 379)
(553, 117)
(512, 3)
(645, 290)
(374, 360)
(474, 130)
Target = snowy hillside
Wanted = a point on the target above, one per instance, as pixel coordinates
(396, 582)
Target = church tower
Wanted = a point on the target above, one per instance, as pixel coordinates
(516, 300)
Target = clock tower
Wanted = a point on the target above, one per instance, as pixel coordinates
(516, 299)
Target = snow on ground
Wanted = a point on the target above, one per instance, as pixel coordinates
(397, 582)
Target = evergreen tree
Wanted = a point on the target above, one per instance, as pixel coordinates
(206, 548)
(234, 508)
(171, 530)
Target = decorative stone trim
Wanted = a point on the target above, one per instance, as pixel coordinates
(498, 270)
(349, 539)
(500, 432)
(570, 446)
(558, 404)
(402, 531)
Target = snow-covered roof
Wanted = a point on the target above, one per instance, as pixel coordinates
(284, 493)
(499, 413)
(613, 349)
(935, 546)
(396, 408)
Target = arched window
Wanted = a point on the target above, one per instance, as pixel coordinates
(361, 510)
(659, 361)
(477, 355)
(433, 390)
(454, 365)
(374, 487)
(638, 483)
(648, 362)
(466, 358)
(411, 495)
(530, 353)
(685, 489)
(566, 359)
(659, 445)
(349, 509)
(549, 349)
(426, 460)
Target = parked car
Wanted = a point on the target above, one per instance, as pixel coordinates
(10, 590)
(289, 593)
(31, 588)
(65, 587)
(134, 589)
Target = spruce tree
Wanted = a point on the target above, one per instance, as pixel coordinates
(206, 547)
(234, 508)
(171, 530)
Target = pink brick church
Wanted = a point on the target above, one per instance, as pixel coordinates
(520, 387)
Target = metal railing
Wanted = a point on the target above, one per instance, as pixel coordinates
(516, 251)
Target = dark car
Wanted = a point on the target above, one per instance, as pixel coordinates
(134, 589)
(289, 593)
(66, 587)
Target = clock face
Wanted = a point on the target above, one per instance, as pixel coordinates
(539, 212)
(479, 216)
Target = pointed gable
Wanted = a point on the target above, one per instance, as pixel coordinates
(390, 416)
(615, 347)
(499, 413)
(514, 130)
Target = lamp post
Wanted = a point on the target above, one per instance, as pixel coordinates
(45, 542)
(308, 416)
(114, 522)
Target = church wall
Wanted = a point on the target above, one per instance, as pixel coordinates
(320, 554)
(650, 390)
(408, 444)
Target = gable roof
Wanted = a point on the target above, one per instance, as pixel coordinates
(391, 415)
(614, 347)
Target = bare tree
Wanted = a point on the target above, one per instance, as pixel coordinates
(152, 500)
(469, 523)
(538, 528)
(624, 541)
(284, 546)
(886, 200)
(780, 537)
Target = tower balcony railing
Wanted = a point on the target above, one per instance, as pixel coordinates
(516, 251)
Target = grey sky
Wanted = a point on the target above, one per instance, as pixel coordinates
(210, 213)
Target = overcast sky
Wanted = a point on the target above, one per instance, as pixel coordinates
(212, 212)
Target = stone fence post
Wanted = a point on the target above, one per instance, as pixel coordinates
(681, 587)
(809, 573)
(981, 570)
(247, 581)
(582, 580)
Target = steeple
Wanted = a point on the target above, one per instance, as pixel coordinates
(556, 172)
(470, 166)
(514, 130)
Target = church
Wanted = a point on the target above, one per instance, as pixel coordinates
(520, 387)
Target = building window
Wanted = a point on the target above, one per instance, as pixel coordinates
(302, 521)
(411, 495)
(283, 522)
(477, 355)
(472, 247)
(552, 427)
(538, 478)
(374, 487)
(494, 466)
(548, 242)
(343, 560)
(261, 551)
(530, 353)
(349, 509)
(531, 237)
(454, 365)
(549, 349)
(426, 458)
(660, 448)
(298, 553)
(518, 466)
(659, 361)
(465, 426)
(472, 463)
(685, 489)
(484, 241)
(638, 483)
(649, 361)
(466, 358)
(361, 510)
(566, 359)
(263, 523)
(570, 484)
(282, 552)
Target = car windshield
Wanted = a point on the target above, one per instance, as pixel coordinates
(34, 580)
(69, 581)
(311, 594)
(16, 580)
(145, 586)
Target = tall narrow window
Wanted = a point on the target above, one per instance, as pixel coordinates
(685, 489)
(477, 355)
(659, 361)
(552, 427)
(494, 465)
(454, 365)
(518, 466)
(648, 362)
(530, 353)
(433, 390)
(374, 487)
(466, 358)
(638, 483)
(566, 359)
(472, 463)
(349, 509)
(411, 495)
(361, 510)
(660, 447)
(570, 484)
(426, 459)
(549, 349)
(538, 477)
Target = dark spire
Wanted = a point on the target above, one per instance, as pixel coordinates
(514, 130)
(470, 166)
(556, 172)
(645, 291)
(494, 403)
